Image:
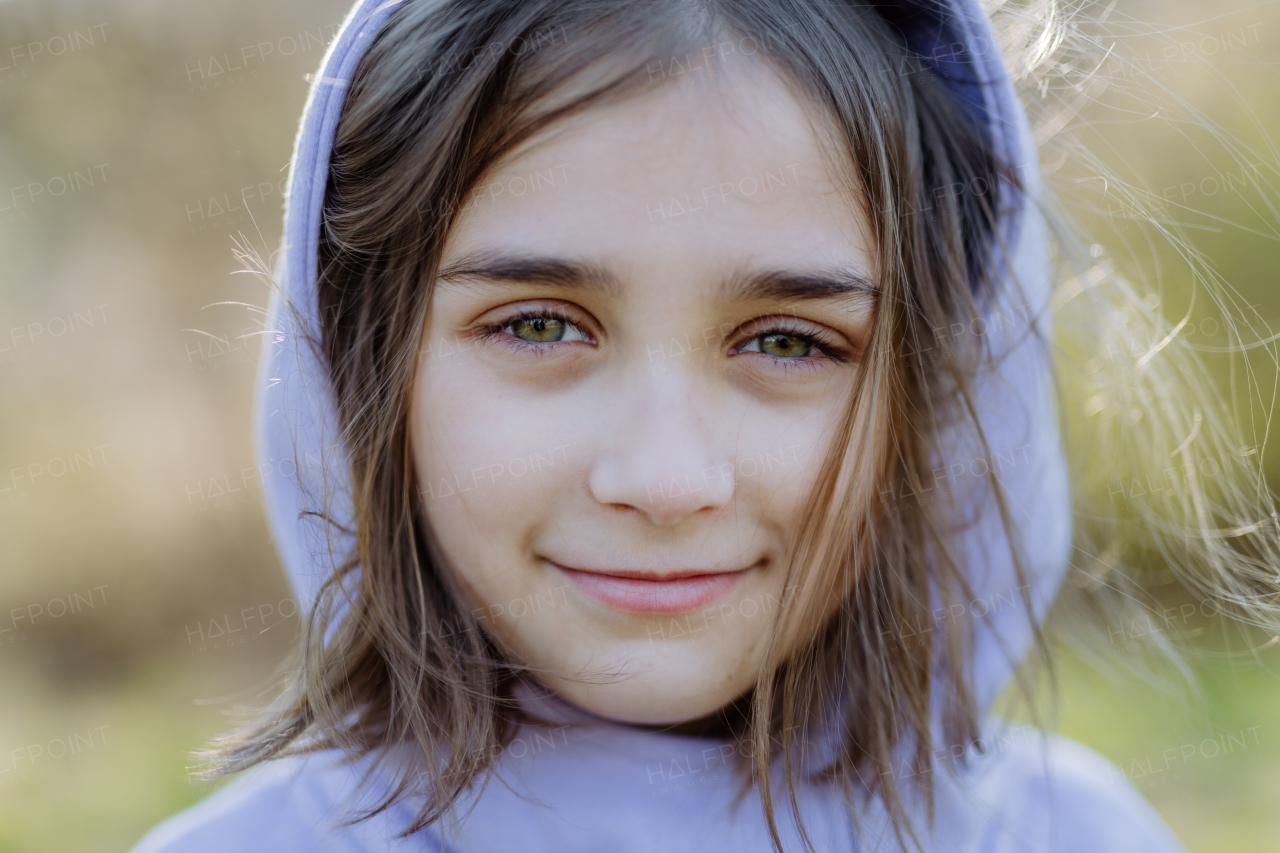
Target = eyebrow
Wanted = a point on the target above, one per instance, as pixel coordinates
(789, 284)
(741, 286)
(532, 269)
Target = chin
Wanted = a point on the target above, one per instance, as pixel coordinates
(647, 701)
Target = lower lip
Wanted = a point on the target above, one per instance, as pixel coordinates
(633, 595)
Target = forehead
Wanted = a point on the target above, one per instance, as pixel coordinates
(693, 175)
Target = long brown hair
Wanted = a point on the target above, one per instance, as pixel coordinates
(445, 91)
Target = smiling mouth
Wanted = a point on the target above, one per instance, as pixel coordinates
(653, 592)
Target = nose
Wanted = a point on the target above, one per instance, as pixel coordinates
(661, 460)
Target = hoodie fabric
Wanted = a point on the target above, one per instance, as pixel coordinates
(582, 784)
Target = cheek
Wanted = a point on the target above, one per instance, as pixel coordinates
(486, 467)
(779, 457)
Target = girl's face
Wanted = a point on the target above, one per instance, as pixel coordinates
(643, 335)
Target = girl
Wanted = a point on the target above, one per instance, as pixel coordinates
(679, 466)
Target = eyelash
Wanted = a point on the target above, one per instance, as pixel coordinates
(826, 352)
(495, 330)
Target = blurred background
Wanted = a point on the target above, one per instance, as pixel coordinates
(141, 599)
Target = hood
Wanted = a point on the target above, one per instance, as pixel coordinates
(296, 422)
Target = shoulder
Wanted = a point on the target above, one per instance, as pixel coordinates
(292, 804)
(1049, 793)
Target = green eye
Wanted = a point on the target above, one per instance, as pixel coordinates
(539, 329)
(785, 346)
(543, 329)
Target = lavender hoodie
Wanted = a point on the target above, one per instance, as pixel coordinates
(584, 784)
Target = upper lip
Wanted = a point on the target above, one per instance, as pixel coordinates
(656, 575)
